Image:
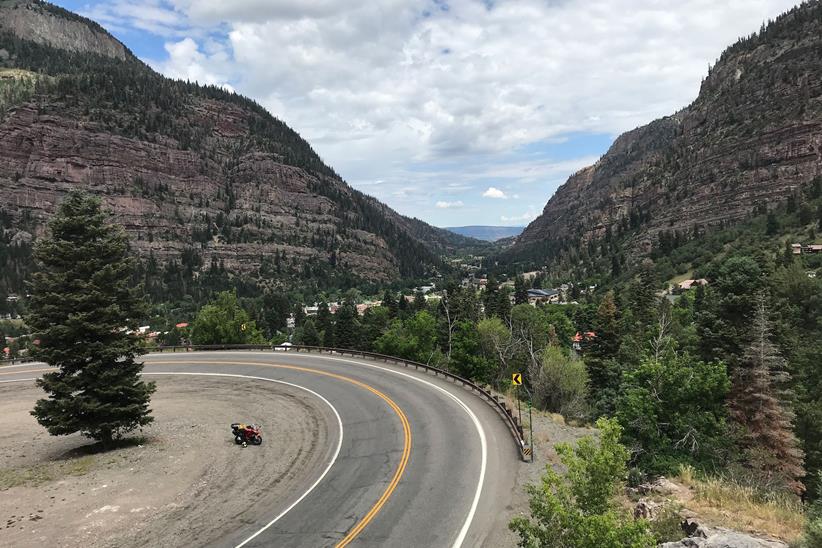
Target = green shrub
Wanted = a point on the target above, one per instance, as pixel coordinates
(813, 529)
(561, 383)
(673, 411)
(579, 509)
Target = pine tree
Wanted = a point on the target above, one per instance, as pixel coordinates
(84, 309)
(402, 308)
(325, 324)
(419, 301)
(520, 293)
(490, 298)
(603, 370)
(389, 301)
(299, 314)
(310, 336)
(346, 326)
(642, 297)
(771, 225)
(759, 406)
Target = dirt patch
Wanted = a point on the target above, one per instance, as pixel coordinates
(183, 482)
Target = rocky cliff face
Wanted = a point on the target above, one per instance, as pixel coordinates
(752, 138)
(50, 25)
(197, 175)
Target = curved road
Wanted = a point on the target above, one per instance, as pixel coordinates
(418, 461)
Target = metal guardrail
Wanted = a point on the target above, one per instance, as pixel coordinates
(511, 420)
(14, 361)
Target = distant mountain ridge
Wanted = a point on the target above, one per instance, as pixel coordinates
(203, 180)
(487, 233)
(751, 139)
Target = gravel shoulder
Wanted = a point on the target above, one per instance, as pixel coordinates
(185, 483)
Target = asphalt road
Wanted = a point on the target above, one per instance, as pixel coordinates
(415, 460)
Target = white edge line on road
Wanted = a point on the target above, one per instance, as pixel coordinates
(313, 485)
(24, 364)
(327, 468)
(483, 442)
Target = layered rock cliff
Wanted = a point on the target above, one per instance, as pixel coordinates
(197, 175)
(751, 139)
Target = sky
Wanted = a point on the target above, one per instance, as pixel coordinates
(456, 112)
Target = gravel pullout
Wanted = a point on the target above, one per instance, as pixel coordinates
(186, 483)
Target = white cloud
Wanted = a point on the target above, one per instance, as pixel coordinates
(186, 62)
(494, 193)
(381, 88)
(450, 205)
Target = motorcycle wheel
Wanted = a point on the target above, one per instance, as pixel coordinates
(257, 440)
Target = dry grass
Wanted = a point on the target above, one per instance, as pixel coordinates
(16, 74)
(676, 280)
(726, 503)
(45, 472)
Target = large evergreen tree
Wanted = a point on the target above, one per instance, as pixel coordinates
(84, 309)
(325, 324)
(347, 326)
(600, 353)
(759, 406)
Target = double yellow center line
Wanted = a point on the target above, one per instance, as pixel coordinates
(406, 428)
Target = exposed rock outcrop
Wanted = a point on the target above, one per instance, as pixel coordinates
(47, 24)
(751, 138)
(725, 539)
(196, 174)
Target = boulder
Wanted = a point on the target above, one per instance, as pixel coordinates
(725, 539)
(661, 486)
(646, 509)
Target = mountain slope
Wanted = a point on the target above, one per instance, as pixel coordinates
(200, 177)
(751, 139)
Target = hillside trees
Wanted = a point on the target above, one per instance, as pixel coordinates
(673, 410)
(413, 339)
(798, 329)
(84, 310)
(224, 321)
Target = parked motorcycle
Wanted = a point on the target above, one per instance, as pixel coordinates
(246, 433)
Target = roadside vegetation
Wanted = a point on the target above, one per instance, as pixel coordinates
(579, 508)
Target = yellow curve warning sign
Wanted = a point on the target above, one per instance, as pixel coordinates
(516, 379)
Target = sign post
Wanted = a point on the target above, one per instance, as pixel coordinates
(516, 381)
(531, 427)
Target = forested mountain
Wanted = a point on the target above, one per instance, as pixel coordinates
(205, 181)
(751, 139)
